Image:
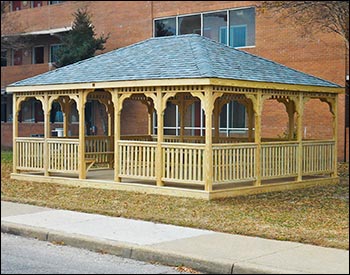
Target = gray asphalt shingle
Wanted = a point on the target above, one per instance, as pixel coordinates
(184, 56)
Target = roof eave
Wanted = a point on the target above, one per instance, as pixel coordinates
(177, 82)
(110, 84)
(275, 86)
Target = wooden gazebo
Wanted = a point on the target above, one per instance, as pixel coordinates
(181, 70)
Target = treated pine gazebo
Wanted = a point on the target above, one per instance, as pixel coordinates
(181, 70)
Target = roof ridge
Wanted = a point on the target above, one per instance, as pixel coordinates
(200, 52)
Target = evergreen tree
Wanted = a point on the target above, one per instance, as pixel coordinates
(80, 42)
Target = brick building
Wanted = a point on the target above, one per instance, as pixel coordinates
(234, 23)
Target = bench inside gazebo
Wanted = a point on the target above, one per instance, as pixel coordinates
(181, 70)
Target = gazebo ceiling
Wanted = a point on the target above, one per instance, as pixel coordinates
(174, 57)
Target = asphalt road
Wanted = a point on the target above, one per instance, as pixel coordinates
(29, 256)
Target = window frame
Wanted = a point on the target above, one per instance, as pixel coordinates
(50, 51)
(5, 58)
(202, 23)
(34, 55)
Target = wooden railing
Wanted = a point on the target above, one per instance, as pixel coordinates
(30, 154)
(318, 157)
(279, 159)
(137, 159)
(63, 155)
(183, 162)
(234, 162)
(99, 148)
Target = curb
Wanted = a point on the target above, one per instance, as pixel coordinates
(141, 253)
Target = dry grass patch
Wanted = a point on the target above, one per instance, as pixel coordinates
(316, 215)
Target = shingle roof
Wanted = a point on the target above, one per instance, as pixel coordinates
(184, 56)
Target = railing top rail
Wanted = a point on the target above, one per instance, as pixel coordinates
(183, 145)
(235, 145)
(266, 143)
(328, 141)
(66, 140)
(136, 142)
(30, 139)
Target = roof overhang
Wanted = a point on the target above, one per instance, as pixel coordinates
(41, 32)
(176, 82)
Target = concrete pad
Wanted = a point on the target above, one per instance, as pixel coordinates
(14, 209)
(104, 227)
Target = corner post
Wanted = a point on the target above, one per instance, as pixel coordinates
(81, 110)
(117, 111)
(15, 111)
(258, 112)
(334, 110)
(46, 109)
(300, 112)
(208, 151)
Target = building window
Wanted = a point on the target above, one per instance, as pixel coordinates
(55, 2)
(16, 5)
(242, 27)
(189, 24)
(53, 53)
(17, 57)
(4, 108)
(38, 55)
(31, 111)
(165, 27)
(215, 25)
(56, 114)
(3, 58)
(232, 118)
(37, 4)
(171, 120)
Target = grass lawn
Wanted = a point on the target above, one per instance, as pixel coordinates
(316, 215)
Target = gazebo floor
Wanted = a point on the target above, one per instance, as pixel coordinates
(103, 178)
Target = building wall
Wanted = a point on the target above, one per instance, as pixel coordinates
(128, 22)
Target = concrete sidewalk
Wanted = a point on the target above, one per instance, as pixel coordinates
(203, 250)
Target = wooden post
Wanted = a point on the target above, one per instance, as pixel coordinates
(118, 101)
(159, 102)
(15, 110)
(81, 110)
(47, 108)
(257, 104)
(160, 136)
(208, 151)
(334, 110)
(117, 110)
(208, 100)
(299, 107)
(257, 137)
